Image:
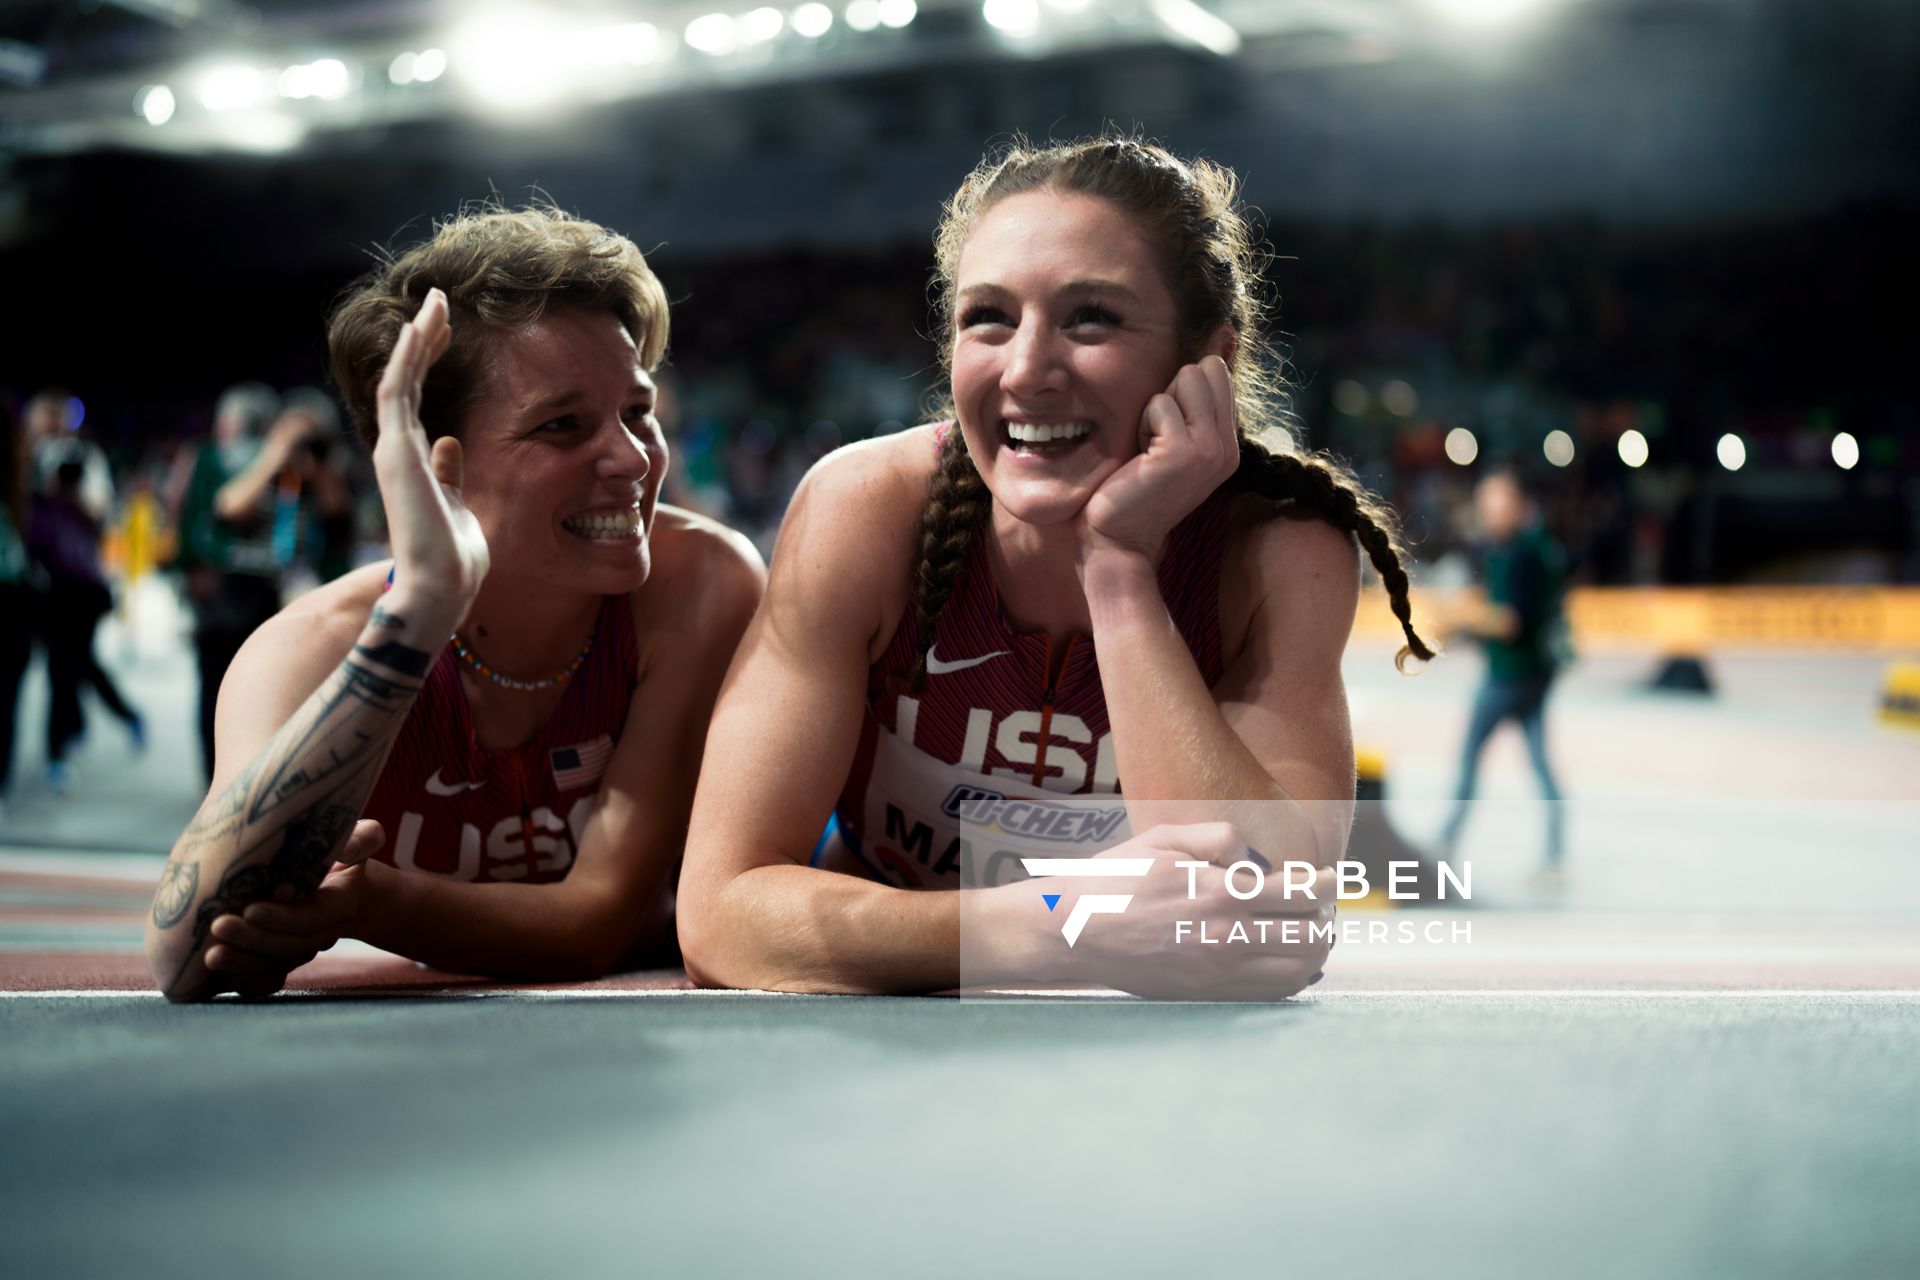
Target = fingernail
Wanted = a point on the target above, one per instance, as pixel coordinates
(1259, 858)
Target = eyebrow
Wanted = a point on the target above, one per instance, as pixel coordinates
(575, 396)
(1072, 286)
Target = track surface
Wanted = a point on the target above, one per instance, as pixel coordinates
(1697, 1060)
(1485, 1133)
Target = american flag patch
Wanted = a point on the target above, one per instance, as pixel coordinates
(582, 764)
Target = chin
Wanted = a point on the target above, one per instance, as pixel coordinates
(1043, 507)
(604, 571)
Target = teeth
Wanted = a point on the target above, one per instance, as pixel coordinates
(1043, 432)
(622, 524)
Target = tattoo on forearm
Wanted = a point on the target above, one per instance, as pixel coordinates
(326, 746)
(302, 852)
(369, 685)
(278, 826)
(394, 656)
(177, 885)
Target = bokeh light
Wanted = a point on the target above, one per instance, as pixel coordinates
(1732, 451)
(1633, 448)
(1462, 448)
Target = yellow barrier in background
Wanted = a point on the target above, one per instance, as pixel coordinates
(1697, 620)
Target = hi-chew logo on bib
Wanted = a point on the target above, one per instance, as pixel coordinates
(1045, 820)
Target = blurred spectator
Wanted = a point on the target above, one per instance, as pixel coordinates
(64, 540)
(53, 425)
(227, 534)
(1517, 619)
(18, 605)
(313, 495)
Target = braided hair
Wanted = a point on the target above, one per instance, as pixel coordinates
(1211, 263)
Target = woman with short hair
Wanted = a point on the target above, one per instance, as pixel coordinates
(480, 754)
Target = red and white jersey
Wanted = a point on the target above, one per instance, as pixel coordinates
(992, 744)
(451, 807)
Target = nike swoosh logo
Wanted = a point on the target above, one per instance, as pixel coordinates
(435, 787)
(935, 667)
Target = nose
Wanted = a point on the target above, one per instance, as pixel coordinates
(1033, 361)
(626, 458)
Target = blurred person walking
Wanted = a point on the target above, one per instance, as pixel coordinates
(18, 603)
(1516, 616)
(63, 538)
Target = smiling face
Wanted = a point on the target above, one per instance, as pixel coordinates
(564, 456)
(1064, 329)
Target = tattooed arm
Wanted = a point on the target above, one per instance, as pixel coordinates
(282, 806)
(272, 827)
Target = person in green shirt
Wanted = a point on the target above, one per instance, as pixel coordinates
(1518, 624)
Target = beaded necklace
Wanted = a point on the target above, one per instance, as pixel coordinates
(508, 682)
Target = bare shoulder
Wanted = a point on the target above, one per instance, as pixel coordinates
(842, 568)
(873, 486)
(849, 534)
(1297, 568)
(706, 580)
(322, 625)
(688, 546)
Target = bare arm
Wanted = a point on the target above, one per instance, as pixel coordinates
(239, 498)
(580, 926)
(272, 826)
(280, 811)
(752, 913)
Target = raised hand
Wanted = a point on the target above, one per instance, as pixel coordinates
(1189, 445)
(440, 555)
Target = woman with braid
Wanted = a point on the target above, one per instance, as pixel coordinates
(481, 754)
(1098, 571)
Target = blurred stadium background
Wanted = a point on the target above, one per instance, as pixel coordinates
(1659, 252)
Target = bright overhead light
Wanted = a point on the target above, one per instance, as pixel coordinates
(1633, 448)
(509, 59)
(403, 68)
(1461, 447)
(1732, 451)
(1070, 6)
(1846, 451)
(1399, 399)
(897, 13)
(430, 65)
(231, 87)
(812, 20)
(1558, 446)
(1189, 23)
(328, 78)
(155, 104)
(863, 15)
(761, 25)
(1015, 17)
(635, 42)
(712, 34)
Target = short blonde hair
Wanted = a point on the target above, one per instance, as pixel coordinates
(500, 269)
